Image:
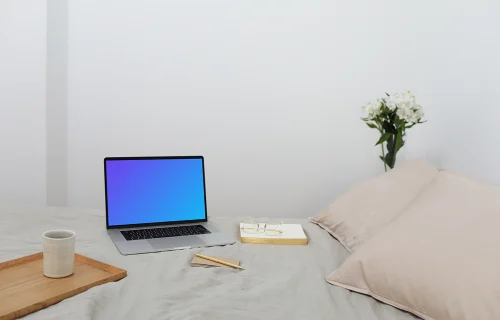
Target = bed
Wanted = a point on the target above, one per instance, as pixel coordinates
(280, 282)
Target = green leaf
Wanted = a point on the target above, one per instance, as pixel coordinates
(399, 141)
(384, 138)
(399, 122)
(391, 144)
(388, 127)
(371, 125)
(390, 159)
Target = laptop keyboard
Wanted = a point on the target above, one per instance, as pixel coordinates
(142, 234)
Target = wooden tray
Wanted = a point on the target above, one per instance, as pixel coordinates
(24, 289)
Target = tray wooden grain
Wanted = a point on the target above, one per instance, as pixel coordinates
(24, 289)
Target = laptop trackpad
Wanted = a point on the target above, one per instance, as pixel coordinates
(176, 242)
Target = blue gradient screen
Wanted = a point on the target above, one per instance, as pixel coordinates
(154, 190)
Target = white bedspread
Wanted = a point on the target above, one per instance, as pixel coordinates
(280, 282)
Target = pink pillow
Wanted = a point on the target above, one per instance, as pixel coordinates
(360, 213)
(440, 259)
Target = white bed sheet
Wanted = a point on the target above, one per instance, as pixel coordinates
(280, 282)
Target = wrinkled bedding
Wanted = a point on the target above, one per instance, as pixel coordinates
(280, 282)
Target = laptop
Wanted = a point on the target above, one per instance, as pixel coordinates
(158, 204)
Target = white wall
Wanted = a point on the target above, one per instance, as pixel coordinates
(22, 101)
(270, 92)
(57, 102)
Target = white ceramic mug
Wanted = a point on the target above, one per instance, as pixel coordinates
(58, 253)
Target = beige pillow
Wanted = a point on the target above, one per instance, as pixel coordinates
(440, 259)
(358, 214)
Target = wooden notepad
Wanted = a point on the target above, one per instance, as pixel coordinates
(199, 262)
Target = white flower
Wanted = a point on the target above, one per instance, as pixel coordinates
(372, 109)
(419, 112)
(404, 104)
(377, 106)
(368, 110)
(413, 118)
(400, 100)
(404, 112)
(392, 101)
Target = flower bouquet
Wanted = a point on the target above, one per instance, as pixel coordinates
(392, 116)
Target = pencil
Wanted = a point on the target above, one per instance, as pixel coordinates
(219, 261)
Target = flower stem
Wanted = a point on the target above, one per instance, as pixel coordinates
(381, 130)
(383, 156)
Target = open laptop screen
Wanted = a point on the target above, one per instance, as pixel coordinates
(141, 191)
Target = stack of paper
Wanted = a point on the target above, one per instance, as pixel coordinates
(291, 234)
